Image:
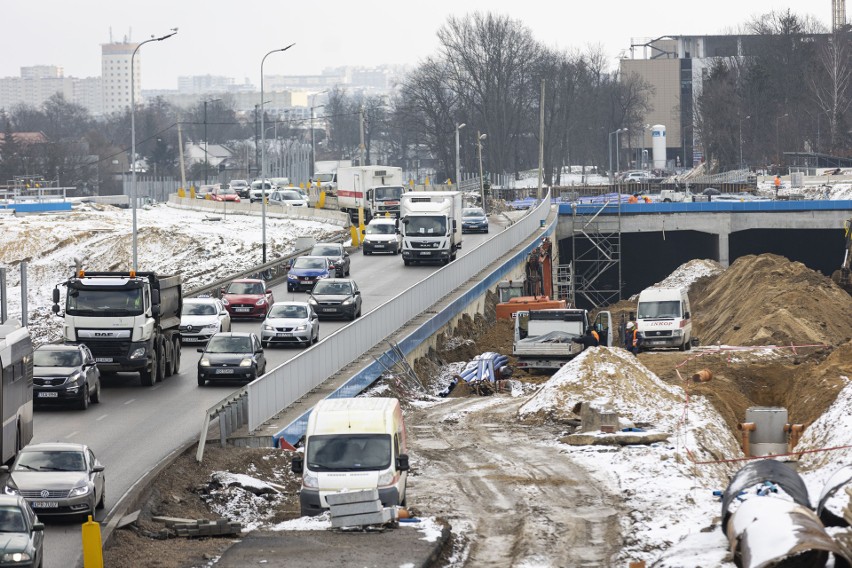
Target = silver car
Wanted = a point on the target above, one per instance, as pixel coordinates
(58, 478)
(200, 318)
(290, 323)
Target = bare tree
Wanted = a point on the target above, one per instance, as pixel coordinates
(832, 87)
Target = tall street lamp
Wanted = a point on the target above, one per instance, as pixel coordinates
(479, 139)
(609, 143)
(133, 137)
(313, 151)
(741, 139)
(777, 145)
(206, 164)
(263, 151)
(458, 169)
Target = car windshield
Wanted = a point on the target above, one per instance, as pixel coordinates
(324, 177)
(227, 191)
(389, 193)
(332, 288)
(325, 250)
(381, 229)
(352, 452)
(238, 183)
(12, 519)
(651, 310)
(254, 288)
(473, 213)
(291, 312)
(48, 358)
(290, 196)
(304, 262)
(426, 225)
(51, 460)
(198, 310)
(229, 344)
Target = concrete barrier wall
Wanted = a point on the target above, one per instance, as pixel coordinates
(275, 210)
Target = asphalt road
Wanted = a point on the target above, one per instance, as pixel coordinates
(134, 428)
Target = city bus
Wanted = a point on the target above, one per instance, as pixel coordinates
(16, 394)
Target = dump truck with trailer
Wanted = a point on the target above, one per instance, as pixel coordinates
(129, 320)
(544, 339)
(430, 224)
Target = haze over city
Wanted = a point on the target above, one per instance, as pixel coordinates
(229, 39)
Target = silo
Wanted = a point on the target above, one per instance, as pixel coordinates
(658, 146)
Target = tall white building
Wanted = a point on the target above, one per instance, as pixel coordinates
(115, 75)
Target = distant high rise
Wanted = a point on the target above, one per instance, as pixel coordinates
(115, 75)
(838, 14)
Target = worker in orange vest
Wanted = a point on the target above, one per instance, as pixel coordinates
(777, 184)
(633, 198)
(632, 339)
(590, 339)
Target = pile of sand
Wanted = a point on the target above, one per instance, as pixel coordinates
(769, 300)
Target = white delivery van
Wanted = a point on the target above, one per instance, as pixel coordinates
(382, 235)
(663, 318)
(353, 444)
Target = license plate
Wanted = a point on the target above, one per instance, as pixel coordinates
(103, 359)
(379, 246)
(44, 504)
(47, 394)
(224, 371)
(425, 253)
(283, 335)
(242, 309)
(329, 310)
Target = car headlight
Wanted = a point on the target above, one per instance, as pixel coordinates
(225, 301)
(261, 302)
(212, 325)
(246, 362)
(138, 353)
(302, 327)
(292, 277)
(75, 377)
(11, 488)
(79, 490)
(349, 301)
(267, 327)
(16, 557)
(310, 480)
(205, 362)
(677, 332)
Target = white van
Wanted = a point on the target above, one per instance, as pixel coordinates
(382, 235)
(663, 318)
(353, 444)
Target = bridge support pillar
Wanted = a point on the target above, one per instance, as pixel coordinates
(723, 254)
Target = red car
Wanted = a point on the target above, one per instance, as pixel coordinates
(247, 298)
(226, 193)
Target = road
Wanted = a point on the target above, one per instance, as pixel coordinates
(134, 428)
(530, 507)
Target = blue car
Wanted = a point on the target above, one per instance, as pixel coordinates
(474, 220)
(306, 270)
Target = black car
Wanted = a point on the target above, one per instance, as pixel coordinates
(21, 533)
(336, 297)
(231, 356)
(337, 253)
(65, 374)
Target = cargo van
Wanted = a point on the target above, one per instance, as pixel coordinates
(353, 444)
(663, 318)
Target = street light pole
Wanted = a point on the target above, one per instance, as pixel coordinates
(313, 150)
(263, 151)
(617, 148)
(206, 163)
(741, 140)
(479, 139)
(777, 144)
(133, 138)
(458, 168)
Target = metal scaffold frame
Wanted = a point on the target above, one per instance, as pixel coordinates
(596, 253)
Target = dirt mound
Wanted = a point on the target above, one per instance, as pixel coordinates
(769, 300)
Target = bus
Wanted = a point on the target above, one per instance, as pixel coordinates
(16, 394)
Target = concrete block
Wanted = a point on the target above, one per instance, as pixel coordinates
(356, 508)
(379, 518)
(352, 497)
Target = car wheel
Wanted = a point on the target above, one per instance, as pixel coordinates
(347, 270)
(96, 396)
(367, 253)
(84, 402)
(100, 504)
(201, 381)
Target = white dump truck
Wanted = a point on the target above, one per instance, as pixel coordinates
(544, 339)
(430, 223)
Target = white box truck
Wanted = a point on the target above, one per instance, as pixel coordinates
(663, 318)
(353, 444)
(375, 188)
(431, 223)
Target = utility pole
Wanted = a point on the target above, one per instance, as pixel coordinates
(256, 143)
(540, 143)
(361, 127)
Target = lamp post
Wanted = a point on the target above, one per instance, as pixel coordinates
(777, 145)
(133, 137)
(683, 140)
(206, 163)
(458, 169)
(741, 139)
(313, 150)
(609, 143)
(263, 151)
(479, 139)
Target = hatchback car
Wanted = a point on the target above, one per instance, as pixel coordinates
(241, 186)
(224, 193)
(65, 374)
(58, 478)
(336, 297)
(247, 298)
(231, 356)
(259, 188)
(382, 235)
(306, 271)
(474, 220)
(289, 197)
(200, 318)
(289, 323)
(21, 533)
(337, 253)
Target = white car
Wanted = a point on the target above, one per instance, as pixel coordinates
(200, 318)
(259, 188)
(289, 197)
(290, 323)
(382, 235)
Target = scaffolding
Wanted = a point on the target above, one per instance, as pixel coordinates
(596, 253)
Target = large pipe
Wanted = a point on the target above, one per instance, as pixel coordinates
(746, 427)
(795, 432)
(702, 376)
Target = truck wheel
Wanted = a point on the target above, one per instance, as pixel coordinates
(201, 381)
(177, 355)
(161, 361)
(146, 375)
(170, 361)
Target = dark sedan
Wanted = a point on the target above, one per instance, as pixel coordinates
(65, 374)
(474, 220)
(231, 356)
(336, 252)
(21, 533)
(336, 297)
(306, 270)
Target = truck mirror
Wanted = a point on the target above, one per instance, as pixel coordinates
(56, 295)
(155, 297)
(155, 310)
(55, 309)
(686, 315)
(297, 464)
(402, 462)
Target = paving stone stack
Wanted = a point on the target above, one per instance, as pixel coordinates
(358, 509)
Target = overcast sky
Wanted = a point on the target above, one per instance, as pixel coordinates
(230, 38)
